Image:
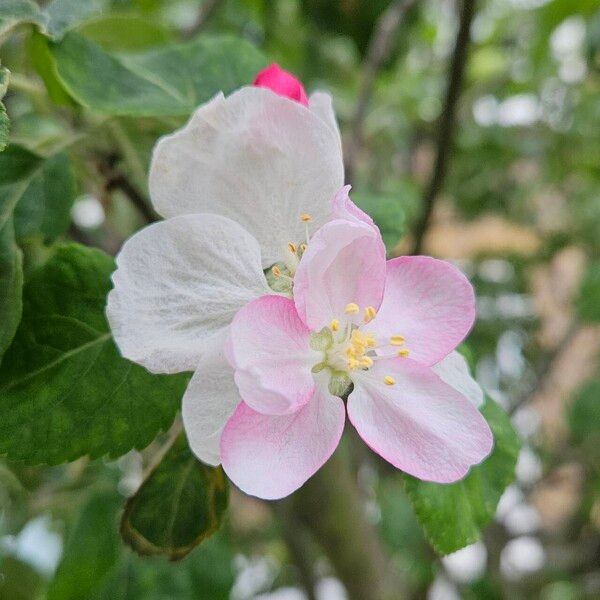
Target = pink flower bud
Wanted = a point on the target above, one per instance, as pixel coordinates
(282, 83)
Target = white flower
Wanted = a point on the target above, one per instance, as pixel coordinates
(233, 185)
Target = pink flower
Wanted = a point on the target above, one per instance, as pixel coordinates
(281, 82)
(385, 331)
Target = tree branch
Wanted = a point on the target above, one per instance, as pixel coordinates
(446, 125)
(299, 544)
(331, 506)
(379, 48)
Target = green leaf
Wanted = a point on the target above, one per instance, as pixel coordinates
(208, 573)
(4, 78)
(124, 33)
(92, 550)
(63, 15)
(584, 418)
(45, 65)
(45, 206)
(11, 284)
(14, 12)
(4, 127)
(65, 391)
(38, 192)
(588, 302)
(4, 122)
(172, 80)
(387, 213)
(58, 17)
(179, 505)
(402, 534)
(20, 581)
(453, 515)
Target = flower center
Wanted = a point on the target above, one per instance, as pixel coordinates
(280, 276)
(349, 349)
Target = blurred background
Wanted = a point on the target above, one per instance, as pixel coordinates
(471, 133)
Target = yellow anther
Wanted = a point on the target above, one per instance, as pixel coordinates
(276, 271)
(305, 217)
(404, 352)
(389, 380)
(353, 363)
(303, 247)
(352, 308)
(334, 325)
(292, 247)
(350, 352)
(371, 342)
(397, 340)
(359, 343)
(366, 362)
(370, 313)
(358, 336)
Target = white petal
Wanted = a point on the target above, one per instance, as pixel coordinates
(177, 283)
(454, 370)
(255, 157)
(321, 103)
(209, 401)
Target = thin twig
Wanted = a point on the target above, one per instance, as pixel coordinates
(207, 10)
(116, 180)
(447, 119)
(380, 46)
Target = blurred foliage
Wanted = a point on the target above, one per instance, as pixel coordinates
(86, 88)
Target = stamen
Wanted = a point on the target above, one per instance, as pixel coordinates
(352, 308)
(334, 325)
(303, 247)
(397, 340)
(353, 363)
(366, 362)
(370, 313)
(389, 380)
(305, 217)
(404, 352)
(292, 247)
(371, 342)
(276, 271)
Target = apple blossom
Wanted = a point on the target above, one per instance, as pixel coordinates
(235, 186)
(382, 334)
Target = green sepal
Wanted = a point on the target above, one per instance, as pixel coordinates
(281, 285)
(321, 340)
(339, 384)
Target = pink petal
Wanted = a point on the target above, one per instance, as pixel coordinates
(427, 301)
(344, 208)
(281, 82)
(269, 349)
(344, 263)
(272, 456)
(420, 424)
